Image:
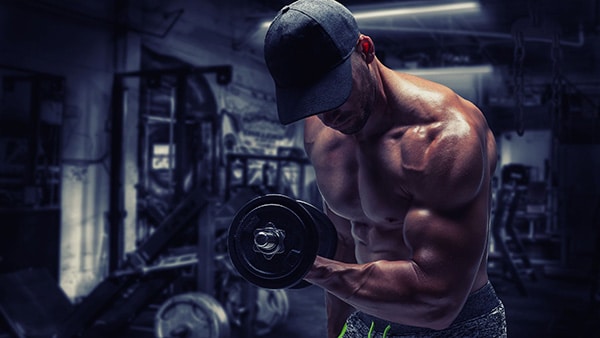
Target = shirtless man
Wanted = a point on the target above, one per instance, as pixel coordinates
(404, 168)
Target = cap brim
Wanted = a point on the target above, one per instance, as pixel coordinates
(330, 92)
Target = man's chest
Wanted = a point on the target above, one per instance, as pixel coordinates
(363, 183)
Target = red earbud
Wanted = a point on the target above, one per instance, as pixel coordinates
(366, 47)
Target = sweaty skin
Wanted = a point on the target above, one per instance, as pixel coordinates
(404, 168)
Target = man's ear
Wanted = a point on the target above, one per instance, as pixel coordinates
(367, 48)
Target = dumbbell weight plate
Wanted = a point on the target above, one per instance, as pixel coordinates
(325, 229)
(326, 233)
(297, 247)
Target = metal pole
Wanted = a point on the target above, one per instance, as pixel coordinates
(206, 253)
(116, 211)
(181, 138)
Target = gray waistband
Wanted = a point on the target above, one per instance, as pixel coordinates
(478, 303)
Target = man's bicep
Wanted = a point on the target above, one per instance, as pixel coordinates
(447, 247)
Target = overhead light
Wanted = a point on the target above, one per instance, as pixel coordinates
(482, 69)
(403, 11)
(392, 10)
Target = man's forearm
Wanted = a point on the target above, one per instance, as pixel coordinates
(392, 291)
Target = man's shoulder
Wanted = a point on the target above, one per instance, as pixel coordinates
(444, 161)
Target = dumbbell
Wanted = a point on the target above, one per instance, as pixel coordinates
(273, 241)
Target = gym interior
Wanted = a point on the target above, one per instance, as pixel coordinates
(133, 131)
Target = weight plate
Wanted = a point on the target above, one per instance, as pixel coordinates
(325, 229)
(326, 233)
(273, 307)
(272, 241)
(192, 315)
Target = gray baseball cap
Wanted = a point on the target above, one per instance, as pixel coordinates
(307, 51)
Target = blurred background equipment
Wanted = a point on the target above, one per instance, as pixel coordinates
(193, 315)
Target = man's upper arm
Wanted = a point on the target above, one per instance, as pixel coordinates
(447, 248)
(446, 226)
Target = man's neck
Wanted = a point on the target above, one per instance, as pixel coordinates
(380, 119)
